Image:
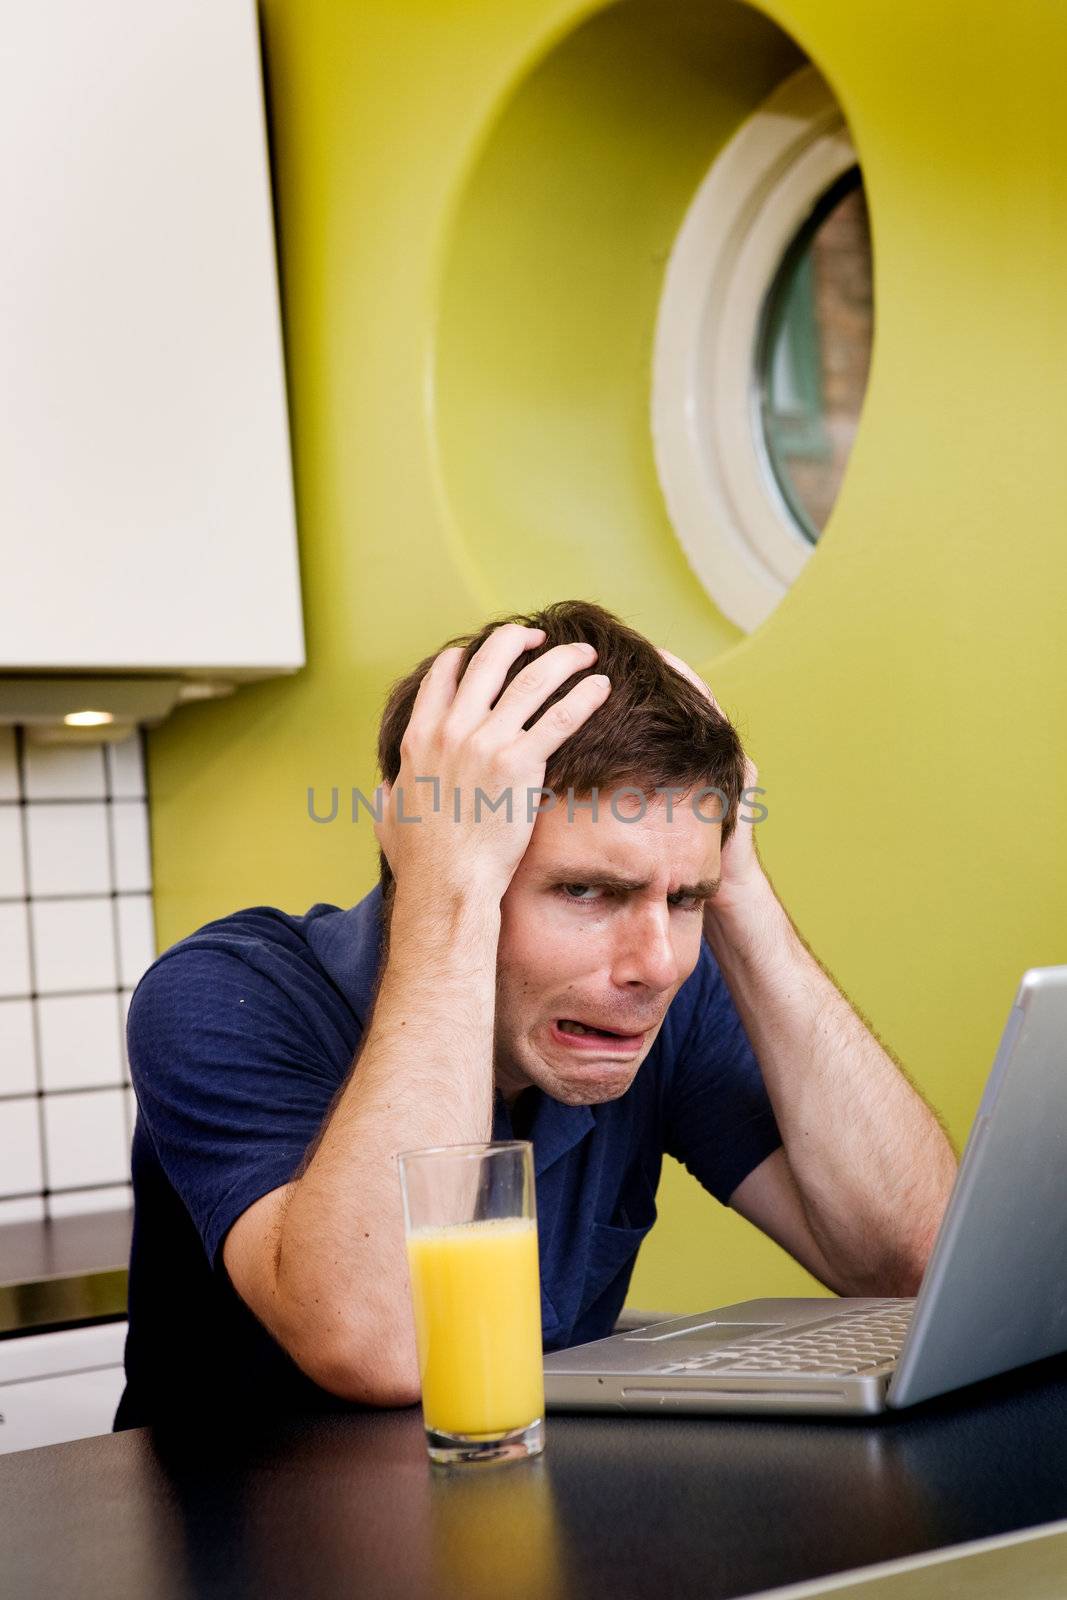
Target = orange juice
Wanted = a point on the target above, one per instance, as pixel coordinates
(476, 1293)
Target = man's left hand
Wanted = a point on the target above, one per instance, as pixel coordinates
(741, 873)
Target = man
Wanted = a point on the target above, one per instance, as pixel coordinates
(574, 942)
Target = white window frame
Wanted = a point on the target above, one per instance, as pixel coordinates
(737, 532)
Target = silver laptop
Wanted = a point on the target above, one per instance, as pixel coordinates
(994, 1295)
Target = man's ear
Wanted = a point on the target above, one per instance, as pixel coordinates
(384, 791)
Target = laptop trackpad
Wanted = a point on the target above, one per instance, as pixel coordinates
(703, 1336)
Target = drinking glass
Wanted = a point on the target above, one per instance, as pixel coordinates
(470, 1220)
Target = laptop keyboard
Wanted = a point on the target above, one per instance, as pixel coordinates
(840, 1347)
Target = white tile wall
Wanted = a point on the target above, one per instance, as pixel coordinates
(9, 767)
(17, 1074)
(76, 933)
(68, 848)
(12, 866)
(14, 949)
(125, 770)
(79, 1040)
(129, 841)
(20, 1146)
(30, 1209)
(63, 772)
(115, 1197)
(73, 944)
(136, 937)
(86, 1138)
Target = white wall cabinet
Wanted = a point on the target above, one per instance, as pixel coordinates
(60, 1386)
(146, 504)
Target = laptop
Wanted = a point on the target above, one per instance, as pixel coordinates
(993, 1297)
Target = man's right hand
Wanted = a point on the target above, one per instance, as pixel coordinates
(458, 742)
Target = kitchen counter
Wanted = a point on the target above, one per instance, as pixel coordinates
(57, 1274)
(634, 1507)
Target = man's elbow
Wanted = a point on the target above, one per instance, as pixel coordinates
(906, 1283)
(366, 1365)
(914, 1258)
(362, 1384)
(369, 1360)
(353, 1373)
(881, 1271)
(899, 1274)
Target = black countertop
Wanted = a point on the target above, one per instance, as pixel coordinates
(633, 1508)
(55, 1274)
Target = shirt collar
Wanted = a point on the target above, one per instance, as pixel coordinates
(555, 1129)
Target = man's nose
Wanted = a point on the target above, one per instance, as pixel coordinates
(645, 952)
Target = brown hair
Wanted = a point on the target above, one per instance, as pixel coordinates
(654, 730)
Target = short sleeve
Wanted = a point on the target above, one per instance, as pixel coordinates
(234, 1075)
(718, 1117)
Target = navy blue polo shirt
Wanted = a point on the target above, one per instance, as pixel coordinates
(240, 1038)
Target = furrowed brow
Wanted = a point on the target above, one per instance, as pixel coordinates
(702, 890)
(596, 878)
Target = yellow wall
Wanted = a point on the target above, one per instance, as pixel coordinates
(475, 203)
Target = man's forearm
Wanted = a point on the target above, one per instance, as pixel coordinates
(338, 1277)
(424, 1077)
(872, 1163)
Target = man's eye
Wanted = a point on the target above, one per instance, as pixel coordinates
(581, 893)
(685, 902)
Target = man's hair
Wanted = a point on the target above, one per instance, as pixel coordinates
(654, 730)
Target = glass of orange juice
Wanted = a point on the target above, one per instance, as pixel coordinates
(471, 1224)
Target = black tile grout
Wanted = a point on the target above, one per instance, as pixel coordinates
(76, 894)
(31, 958)
(116, 934)
(55, 1093)
(76, 1188)
(131, 1112)
(77, 800)
(70, 994)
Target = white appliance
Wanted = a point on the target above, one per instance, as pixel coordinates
(60, 1386)
(147, 529)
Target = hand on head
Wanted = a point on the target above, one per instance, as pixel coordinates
(469, 766)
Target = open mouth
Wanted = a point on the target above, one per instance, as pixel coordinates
(568, 1025)
(583, 1035)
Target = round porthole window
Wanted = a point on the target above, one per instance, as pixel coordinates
(763, 346)
(814, 353)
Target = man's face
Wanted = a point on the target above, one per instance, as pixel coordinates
(601, 926)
